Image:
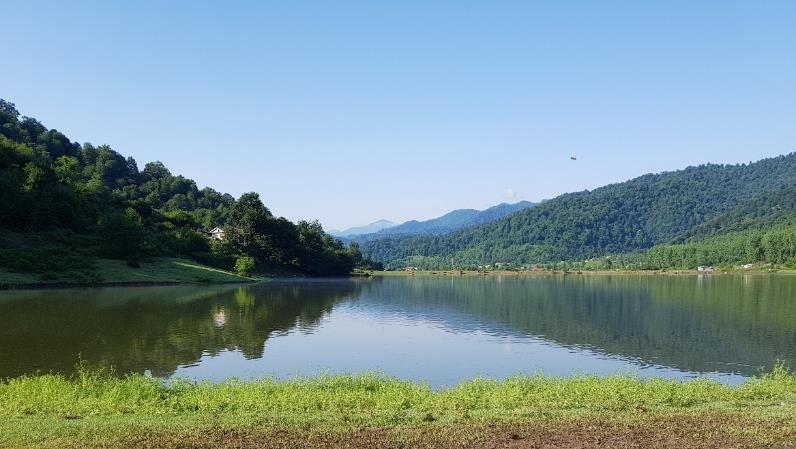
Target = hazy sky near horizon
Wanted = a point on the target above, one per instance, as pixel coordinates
(354, 111)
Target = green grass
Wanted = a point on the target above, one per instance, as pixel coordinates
(64, 257)
(93, 409)
(163, 270)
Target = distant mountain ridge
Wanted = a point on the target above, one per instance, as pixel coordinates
(456, 219)
(452, 221)
(366, 229)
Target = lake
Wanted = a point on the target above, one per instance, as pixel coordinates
(439, 330)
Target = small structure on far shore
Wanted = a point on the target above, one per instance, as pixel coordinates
(216, 233)
(705, 269)
(748, 266)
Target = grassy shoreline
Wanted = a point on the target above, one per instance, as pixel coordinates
(94, 410)
(161, 271)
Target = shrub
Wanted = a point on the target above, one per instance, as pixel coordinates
(244, 265)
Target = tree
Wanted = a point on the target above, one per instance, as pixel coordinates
(247, 220)
(9, 120)
(244, 265)
(67, 169)
(122, 234)
(156, 170)
(355, 253)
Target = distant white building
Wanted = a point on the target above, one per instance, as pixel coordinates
(216, 233)
(748, 266)
(704, 269)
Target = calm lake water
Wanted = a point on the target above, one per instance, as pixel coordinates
(435, 329)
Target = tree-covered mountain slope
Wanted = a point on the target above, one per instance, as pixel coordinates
(452, 221)
(619, 218)
(768, 245)
(768, 210)
(762, 229)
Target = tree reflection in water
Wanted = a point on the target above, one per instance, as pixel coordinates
(153, 329)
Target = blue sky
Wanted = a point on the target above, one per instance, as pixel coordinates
(354, 111)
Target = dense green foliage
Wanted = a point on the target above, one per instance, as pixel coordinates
(770, 209)
(112, 209)
(622, 218)
(777, 246)
(762, 229)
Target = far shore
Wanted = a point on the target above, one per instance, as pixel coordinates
(579, 272)
(15, 281)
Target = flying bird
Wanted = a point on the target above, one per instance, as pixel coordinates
(573, 158)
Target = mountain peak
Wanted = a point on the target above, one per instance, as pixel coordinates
(376, 226)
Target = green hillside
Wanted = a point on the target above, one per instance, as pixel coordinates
(620, 218)
(768, 210)
(66, 205)
(762, 229)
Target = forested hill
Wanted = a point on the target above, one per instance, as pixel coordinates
(760, 230)
(619, 218)
(91, 201)
(452, 221)
(767, 210)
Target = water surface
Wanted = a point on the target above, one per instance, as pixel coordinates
(435, 329)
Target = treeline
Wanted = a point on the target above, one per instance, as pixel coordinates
(776, 246)
(628, 217)
(92, 200)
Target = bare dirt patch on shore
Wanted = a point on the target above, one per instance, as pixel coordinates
(691, 431)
